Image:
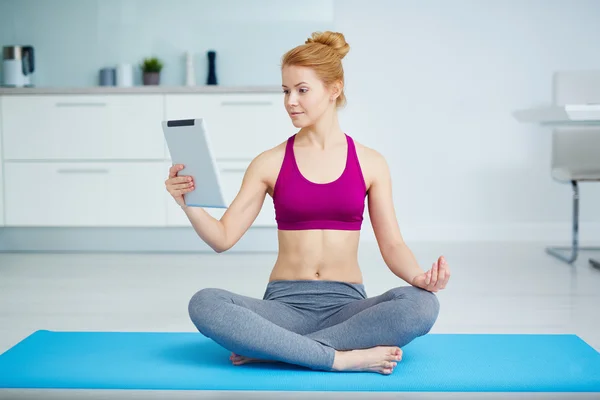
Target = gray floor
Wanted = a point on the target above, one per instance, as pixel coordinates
(495, 287)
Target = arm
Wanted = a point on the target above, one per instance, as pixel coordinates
(223, 234)
(396, 254)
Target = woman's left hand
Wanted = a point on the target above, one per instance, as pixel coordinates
(436, 278)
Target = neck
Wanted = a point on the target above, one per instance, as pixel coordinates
(325, 132)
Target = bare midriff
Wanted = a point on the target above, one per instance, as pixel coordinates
(330, 255)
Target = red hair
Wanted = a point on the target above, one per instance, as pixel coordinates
(323, 53)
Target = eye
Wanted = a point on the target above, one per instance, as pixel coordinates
(302, 90)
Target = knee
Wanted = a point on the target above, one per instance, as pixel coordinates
(424, 304)
(203, 303)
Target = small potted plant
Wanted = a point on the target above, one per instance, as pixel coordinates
(151, 68)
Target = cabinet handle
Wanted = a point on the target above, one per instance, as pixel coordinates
(81, 104)
(233, 169)
(82, 171)
(246, 103)
(235, 159)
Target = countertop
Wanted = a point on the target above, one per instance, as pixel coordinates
(150, 89)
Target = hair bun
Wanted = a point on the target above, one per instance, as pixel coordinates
(335, 40)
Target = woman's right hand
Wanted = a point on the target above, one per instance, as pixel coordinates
(177, 186)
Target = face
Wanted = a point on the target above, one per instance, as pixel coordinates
(306, 99)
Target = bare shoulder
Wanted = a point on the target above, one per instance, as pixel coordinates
(372, 163)
(266, 165)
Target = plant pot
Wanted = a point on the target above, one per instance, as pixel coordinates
(151, 78)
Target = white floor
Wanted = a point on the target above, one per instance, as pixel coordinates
(495, 287)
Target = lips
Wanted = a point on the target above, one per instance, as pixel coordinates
(296, 113)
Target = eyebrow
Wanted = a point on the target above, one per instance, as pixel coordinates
(297, 84)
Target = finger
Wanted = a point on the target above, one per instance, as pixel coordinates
(174, 169)
(428, 277)
(183, 186)
(446, 270)
(434, 273)
(181, 192)
(179, 180)
(441, 275)
(447, 278)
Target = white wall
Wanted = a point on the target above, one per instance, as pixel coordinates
(431, 84)
(74, 39)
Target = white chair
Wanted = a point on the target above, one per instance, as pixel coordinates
(575, 148)
(575, 158)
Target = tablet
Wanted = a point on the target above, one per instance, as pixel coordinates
(189, 144)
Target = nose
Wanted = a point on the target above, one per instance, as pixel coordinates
(291, 100)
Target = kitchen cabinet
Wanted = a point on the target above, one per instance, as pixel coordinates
(99, 158)
(85, 194)
(83, 127)
(241, 125)
(1, 174)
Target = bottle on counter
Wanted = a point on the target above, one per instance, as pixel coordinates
(212, 71)
(190, 76)
(124, 75)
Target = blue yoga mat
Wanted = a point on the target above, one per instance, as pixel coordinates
(190, 361)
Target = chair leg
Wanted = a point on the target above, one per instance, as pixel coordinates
(555, 251)
(558, 252)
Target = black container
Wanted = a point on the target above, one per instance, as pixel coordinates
(212, 73)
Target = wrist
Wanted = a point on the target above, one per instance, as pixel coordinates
(414, 278)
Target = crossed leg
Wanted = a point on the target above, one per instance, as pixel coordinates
(394, 318)
(260, 329)
(374, 328)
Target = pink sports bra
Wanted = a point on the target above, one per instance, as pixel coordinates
(302, 204)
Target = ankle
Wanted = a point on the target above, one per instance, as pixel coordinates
(338, 360)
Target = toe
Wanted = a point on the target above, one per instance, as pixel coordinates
(399, 354)
(395, 351)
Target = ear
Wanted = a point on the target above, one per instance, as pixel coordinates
(336, 90)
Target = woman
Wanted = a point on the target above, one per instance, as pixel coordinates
(315, 312)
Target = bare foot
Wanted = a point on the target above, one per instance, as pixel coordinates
(380, 359)
(237, 359)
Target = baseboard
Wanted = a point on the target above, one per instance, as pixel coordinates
(264, 239)
(125, 240)
(551, 233)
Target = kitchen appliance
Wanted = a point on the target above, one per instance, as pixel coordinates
(17, 66)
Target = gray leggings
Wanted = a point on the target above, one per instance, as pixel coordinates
(303, 322)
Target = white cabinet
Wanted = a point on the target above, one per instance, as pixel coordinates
(100, 160)
(241, 125)
(85, 194)
(83, 127)
(1, 173)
